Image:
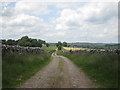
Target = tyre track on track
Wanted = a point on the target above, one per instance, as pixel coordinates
(59, 73)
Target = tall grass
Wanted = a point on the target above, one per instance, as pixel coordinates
(102, 69)
(18, 68)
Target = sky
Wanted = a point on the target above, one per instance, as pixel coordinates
(95, 22)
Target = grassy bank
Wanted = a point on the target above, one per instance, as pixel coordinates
(18, 68)
(102, 69)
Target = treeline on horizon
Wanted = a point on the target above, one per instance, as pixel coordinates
(30, 42)
(26, 42)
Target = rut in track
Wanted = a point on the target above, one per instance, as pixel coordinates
(59, 73)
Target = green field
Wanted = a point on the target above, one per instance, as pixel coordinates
(49, 48)
(18, 68)
(102, 69)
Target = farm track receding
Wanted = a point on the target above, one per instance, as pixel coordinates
(59, 73)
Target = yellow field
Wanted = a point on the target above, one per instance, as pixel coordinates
(72, 48)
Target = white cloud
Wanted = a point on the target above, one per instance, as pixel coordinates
(22, 7)
(68, 18)
(54, 34)
(19, 20)
(22, 20)
(92, 12)
(96, 22)
(33, 8)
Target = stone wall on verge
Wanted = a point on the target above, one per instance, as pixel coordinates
(7, 49)
(101, 51)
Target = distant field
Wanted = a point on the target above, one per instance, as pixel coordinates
(49, 48)
(73, 48)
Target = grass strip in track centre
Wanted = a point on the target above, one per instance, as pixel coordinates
(102, 69)
(18, 68)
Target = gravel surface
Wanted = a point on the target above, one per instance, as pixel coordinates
(59, 73)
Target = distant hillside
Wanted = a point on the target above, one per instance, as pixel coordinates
(96, 45)
(52, 44)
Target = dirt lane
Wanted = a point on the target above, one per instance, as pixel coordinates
(59, 73)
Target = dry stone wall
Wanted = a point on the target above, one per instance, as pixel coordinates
(7, 49)
(101, 51)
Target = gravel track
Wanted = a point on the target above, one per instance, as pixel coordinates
(59, 73)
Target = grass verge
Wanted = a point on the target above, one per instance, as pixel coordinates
(18, 68)
(102, 69)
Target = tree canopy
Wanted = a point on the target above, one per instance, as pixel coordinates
(25, 41)
(60, 45)
(65, 44)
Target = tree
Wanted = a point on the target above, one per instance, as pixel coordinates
(59, 43)
(34, 43)
(47, 44)
(28, 44)
(43, 42)
(21, 42)
(25, 41)
(64, 44)
(39, 43)
(59, 47)
(3, 41)
(25, 38)
(11, 42)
